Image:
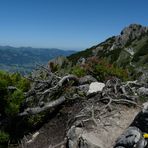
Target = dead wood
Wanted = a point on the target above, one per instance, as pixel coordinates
(46, 106)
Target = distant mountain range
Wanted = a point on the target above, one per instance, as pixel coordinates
(23, 59)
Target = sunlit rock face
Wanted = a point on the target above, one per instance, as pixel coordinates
(130, 33)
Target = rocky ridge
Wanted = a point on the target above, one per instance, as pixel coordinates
(128, 50)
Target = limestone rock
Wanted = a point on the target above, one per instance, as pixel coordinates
(89, 140)
(143, 91)
(73, 136)
(95, 87)
(81, 61)
(77, 138)
(145, 106)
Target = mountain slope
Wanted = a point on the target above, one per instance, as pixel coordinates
(24, 58)
(130, 47)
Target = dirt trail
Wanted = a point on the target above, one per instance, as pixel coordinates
(104, 134)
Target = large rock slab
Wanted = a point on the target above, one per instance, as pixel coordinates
(79, 138)
(90, 140)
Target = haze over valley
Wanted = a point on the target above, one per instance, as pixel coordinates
(25, 59)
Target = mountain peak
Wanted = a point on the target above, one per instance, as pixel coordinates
(130, 48)
(130, 33)
(136, 29)
(133, 31)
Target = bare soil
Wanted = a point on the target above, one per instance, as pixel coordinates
(105, 133)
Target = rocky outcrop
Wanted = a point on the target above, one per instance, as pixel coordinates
(130, 33)
(127, 50)
(57, 62)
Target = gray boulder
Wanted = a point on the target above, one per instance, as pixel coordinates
(83, 88)
(73, 136)
(143, 91)
(95, 87)
(87, 80)
(89, 140)
(78, 138)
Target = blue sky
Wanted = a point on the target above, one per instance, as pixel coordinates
(67, 24)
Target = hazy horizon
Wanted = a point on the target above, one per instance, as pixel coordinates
(74, 49)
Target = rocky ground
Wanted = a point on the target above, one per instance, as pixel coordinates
(100, 134)
(85, 114)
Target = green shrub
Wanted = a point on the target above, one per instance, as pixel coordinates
(17, 97)
(101, 69)
(35, 119)
(12, 109)
(142, 51)
(10, 100)
(3, 87)
(23, 84)
(4, 137)
(78, 71)
(14, 102)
